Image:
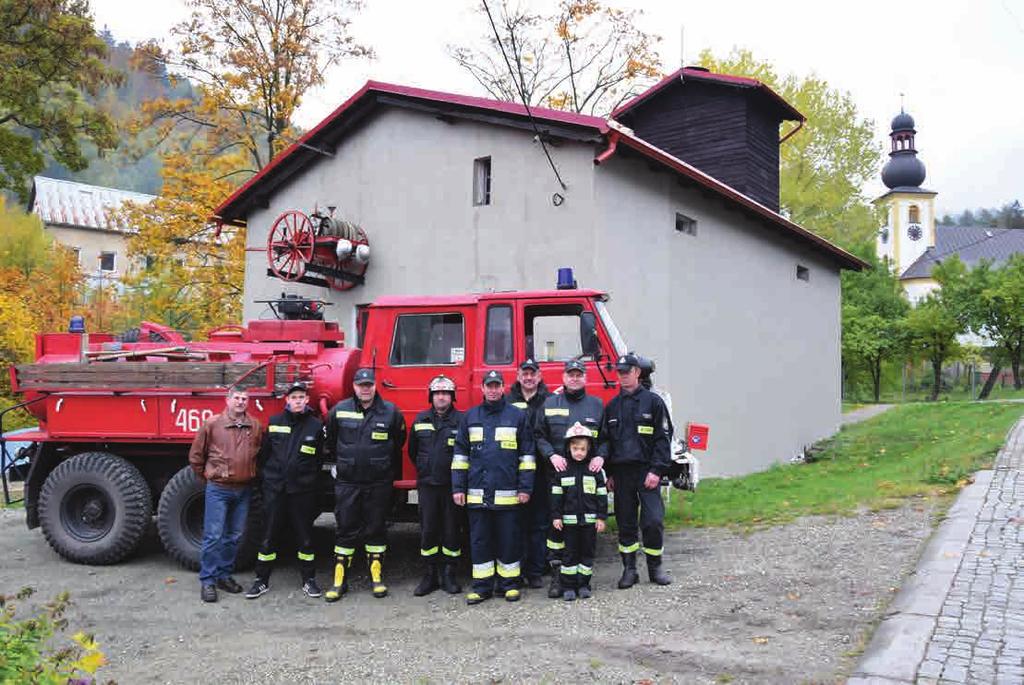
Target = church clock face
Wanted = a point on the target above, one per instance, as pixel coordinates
(914, 232)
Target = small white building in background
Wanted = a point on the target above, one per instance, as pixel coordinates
(671, 207)
(84, 218)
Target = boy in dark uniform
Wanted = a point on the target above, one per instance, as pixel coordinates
(579, 507)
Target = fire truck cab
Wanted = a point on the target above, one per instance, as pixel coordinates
(409, 340)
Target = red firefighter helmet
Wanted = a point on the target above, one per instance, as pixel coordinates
(440, 384)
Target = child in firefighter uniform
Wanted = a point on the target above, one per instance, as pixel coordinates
(492, 474)
(431, 444)
(579, 507)
(289, 462)
(365, 435)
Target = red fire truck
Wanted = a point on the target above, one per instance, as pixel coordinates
(118, 413)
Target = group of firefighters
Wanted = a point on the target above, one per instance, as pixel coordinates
(527, 469)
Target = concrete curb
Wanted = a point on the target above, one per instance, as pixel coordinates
(899, 643)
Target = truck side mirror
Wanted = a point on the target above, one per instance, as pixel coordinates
(588, 335)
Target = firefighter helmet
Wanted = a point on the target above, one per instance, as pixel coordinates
(578, 430)
(440, 384)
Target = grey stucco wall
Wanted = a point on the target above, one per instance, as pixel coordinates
(739, 341)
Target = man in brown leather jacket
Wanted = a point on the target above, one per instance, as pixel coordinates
(223, 455)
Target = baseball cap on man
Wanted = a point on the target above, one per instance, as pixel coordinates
(575, 365)
(529, 363)
(364, 376)
(297, 386)
(626, 362)
(494, 376)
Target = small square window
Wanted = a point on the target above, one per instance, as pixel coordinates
(482, 181)
(685, 224)
(77, 252)
(803, 273)
(107, 261)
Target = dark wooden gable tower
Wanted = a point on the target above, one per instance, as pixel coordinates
(726, 126)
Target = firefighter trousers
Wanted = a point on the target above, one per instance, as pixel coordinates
(543, 542)
(440, 524)
(360, 513)
(282, 510)
(639, 512)
(578, 559)
(495, 547)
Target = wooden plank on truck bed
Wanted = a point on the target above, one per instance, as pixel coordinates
(155, 375)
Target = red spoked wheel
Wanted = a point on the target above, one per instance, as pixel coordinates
(290, 245)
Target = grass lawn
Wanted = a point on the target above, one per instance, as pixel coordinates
(920, 449)
(852, 406)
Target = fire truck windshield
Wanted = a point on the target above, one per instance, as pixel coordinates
(611, 328)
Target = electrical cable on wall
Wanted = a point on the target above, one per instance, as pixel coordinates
(522, 96)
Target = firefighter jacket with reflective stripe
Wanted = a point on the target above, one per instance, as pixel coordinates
(562, 410)
(431, 445)
(494, 459)
(636, 431)
(531, 407)
(366, 443)
(290, 456)
(578, 497)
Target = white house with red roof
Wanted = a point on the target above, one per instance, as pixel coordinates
(671, 207)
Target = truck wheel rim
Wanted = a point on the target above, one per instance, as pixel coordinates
(87, 513)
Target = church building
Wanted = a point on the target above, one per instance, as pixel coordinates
(910, 239)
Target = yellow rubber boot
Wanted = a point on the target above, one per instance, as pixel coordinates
(340, 585)
(377, 575)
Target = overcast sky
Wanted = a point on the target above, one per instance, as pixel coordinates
(959, 63)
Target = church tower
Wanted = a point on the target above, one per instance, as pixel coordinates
(909, 227)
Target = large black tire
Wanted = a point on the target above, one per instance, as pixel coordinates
(179, 521)
(94, 508)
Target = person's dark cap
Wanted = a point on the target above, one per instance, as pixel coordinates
(297, 386)
(627, 361)
(575, 365)
(493, 376)
(364, 376)
(529, 364)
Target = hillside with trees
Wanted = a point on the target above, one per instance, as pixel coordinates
(135, 163)
(1010, 215)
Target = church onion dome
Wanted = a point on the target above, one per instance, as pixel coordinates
(903, 122)
(903, 170)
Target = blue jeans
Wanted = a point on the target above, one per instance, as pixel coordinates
(223, 525)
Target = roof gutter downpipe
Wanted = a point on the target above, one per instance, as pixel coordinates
(613, 142)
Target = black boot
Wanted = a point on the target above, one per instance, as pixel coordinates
(629, 575)
(448, 582)
(655, 572)
(340, 584)
(429, 582)
(555, 589)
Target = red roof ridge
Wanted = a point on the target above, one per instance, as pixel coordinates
(609, 127)
(705, 75)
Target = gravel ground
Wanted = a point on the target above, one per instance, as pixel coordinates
(787, 604)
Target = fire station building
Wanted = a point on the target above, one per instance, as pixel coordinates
(671, 206)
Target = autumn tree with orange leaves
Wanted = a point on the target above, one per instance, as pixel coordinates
(250, 63)
(584, 57)
(41, 287)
